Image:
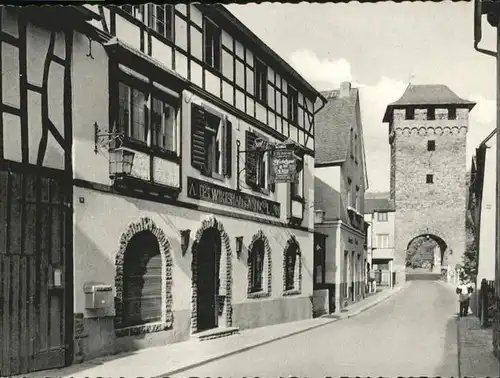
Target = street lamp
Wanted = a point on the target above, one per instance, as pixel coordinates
(121, 160)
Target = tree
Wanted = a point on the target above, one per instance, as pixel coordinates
(468, 267)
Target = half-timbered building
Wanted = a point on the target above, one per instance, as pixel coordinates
(136, 200)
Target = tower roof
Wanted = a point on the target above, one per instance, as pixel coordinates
(428, 94)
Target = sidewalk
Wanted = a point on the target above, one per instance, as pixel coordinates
(475, 349)
(174, 358)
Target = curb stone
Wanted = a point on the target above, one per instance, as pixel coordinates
(395, 291)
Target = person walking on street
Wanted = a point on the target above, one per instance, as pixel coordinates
(464, 292)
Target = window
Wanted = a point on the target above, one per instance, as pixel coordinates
(319, 259)
(292, 266)
(163, 130)
(260, 81)
(382, 217)
(356, 147)
(257, 266)
(293, 105)
(429, 179)
(357, 200)
(431, 114)
(296, 186)
(452, 113)
(410, 114)
(141, 114)
(212, 45)
(346, 270)
(211, 142)
(257, 164)
(142, 281)
(135, 10)
(351, 139)
(160, 19)
(349, 194)
(431, 145)
(382, 240)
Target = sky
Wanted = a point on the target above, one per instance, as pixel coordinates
(380, 48)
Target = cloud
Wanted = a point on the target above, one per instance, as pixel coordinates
(326, 74)
(323, 73)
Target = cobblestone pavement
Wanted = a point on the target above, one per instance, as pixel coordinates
(162, 361)
(476, 349)
(413, 333)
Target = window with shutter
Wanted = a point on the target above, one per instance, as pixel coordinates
(198, 124)
(257, 163)
(250, 159)
(142, 280)
(211, 142)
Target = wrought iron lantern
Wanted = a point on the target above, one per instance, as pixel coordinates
(121, 160)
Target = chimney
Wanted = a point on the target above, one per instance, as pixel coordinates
(345, 89)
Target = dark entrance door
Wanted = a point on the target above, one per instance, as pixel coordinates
(207, 284)
(35, 241)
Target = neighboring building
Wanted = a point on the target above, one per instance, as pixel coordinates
(380, 214)
(131, 220)
(482, 202)
(427, 133)
(340, 184)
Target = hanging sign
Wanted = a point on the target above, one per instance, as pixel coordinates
(284, 165)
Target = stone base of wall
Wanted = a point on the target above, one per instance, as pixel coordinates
(95, 337)
(321, 303)
(265, 312)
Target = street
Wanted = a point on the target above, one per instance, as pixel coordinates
(413, 333)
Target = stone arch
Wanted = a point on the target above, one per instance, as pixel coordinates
(145, 224)
(291, 242)
(433, 234)
(259, 235)
(225, 274)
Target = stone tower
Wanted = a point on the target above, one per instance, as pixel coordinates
(427, 134)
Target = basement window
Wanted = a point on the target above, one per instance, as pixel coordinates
(429, 179)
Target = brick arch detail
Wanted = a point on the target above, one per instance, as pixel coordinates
(298, 267)
(260, 235)
(145, 224)
(225, 275)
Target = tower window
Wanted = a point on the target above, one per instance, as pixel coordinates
(431, 114)
(452, 113)
(431, 145)
(410, 114)
(429, 179)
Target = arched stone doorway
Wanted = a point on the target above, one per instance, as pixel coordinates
(211, 277)
(427, 253)
(143, 258)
